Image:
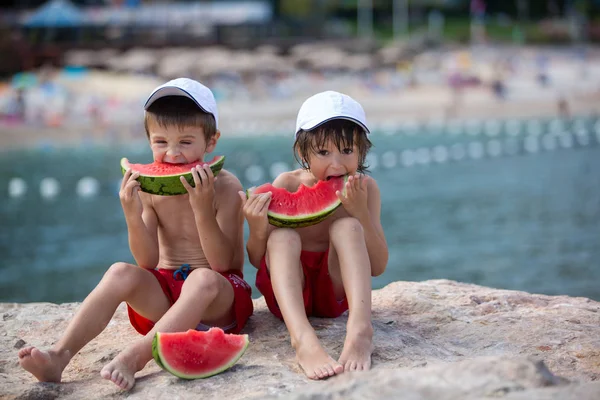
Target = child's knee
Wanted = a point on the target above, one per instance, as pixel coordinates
(205, 282)
(122, 276)
(284, 237)
(120, 271)
(346, 226)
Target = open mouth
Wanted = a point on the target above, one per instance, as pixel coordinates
(333, 176)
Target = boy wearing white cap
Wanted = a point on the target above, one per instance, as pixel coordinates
(325, 269)
(188, 249)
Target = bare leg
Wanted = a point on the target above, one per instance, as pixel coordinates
(206, 295)
(122, 282)
(283, 251)
(349, 260)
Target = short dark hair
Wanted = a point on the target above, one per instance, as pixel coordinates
(182, 112)
(343, 133)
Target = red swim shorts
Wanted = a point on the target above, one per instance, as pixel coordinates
(171, 286)
(319, 297)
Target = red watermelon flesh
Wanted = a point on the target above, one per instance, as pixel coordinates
(304, 207)
(196, 354)
(164, 179)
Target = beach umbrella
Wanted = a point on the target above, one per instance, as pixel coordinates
(55, 14)
(24, 80)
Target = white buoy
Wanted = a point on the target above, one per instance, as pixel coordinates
(16, 188)
(534, 127)
(389, 128)
(372, 161)
(513, 127)
(494, 148)
(473, 127)
(278, 168)
(457, 151)
(531, 144)
(556, 126)
(582, 137)
(423, 155)
(475, 150)
(454, 127)
(388, 159)
(579, 124)
(410, 127)
(407, 158)
(440, 154)
(255, 173)
(492, 128)
(49, 188)
(87, 187)
(435, 125)
(549, 141)
(566, 140)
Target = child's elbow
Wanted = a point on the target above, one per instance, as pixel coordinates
(376, 272)
(378, 268)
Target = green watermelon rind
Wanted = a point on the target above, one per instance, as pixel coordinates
(300, 221)
(170, 185)
(159, 358)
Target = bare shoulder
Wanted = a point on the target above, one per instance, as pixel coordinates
(372, 186)
(227, 183)
(291, 180)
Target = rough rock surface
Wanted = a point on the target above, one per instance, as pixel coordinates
(433, 340)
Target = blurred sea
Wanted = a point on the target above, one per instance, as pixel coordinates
(512, 205)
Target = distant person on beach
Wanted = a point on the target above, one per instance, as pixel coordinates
(325, 269)
(188, 248)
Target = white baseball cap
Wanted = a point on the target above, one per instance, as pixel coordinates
(325, 106)
(200, 94)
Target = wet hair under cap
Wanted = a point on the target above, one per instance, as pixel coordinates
(342, 132)
(181, 112)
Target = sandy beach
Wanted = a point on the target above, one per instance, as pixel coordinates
(267, 105)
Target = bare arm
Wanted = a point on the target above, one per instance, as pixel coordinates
(255, 210)
(374, 235)
(220, 232)
(143, 235)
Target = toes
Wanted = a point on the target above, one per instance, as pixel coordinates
(338, 368)
(24, 352)
(329, 370)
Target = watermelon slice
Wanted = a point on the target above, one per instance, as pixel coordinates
(195, 354)
(163, 178)
(304, 207)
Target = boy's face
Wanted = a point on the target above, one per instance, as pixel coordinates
(179, 146)
(328, 161)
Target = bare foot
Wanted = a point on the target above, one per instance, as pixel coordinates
(46, 366)
(120, 372)
(356, 355)
(315, 362)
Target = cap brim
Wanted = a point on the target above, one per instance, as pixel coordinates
(311, 125)
(171, 91)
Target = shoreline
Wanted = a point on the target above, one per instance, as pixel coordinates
(384, 112)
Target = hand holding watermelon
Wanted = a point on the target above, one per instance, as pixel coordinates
(355, 198)
(255, 209)
(129, 194)
(202, 194)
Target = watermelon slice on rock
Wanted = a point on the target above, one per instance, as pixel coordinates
(163, 178)
(304, 207)
(196, 354)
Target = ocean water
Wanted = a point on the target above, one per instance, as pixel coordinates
(507, 204)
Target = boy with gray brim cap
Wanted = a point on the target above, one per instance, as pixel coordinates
(324, 269)
(188, 249)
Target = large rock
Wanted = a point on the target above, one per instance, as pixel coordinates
(435, 339)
